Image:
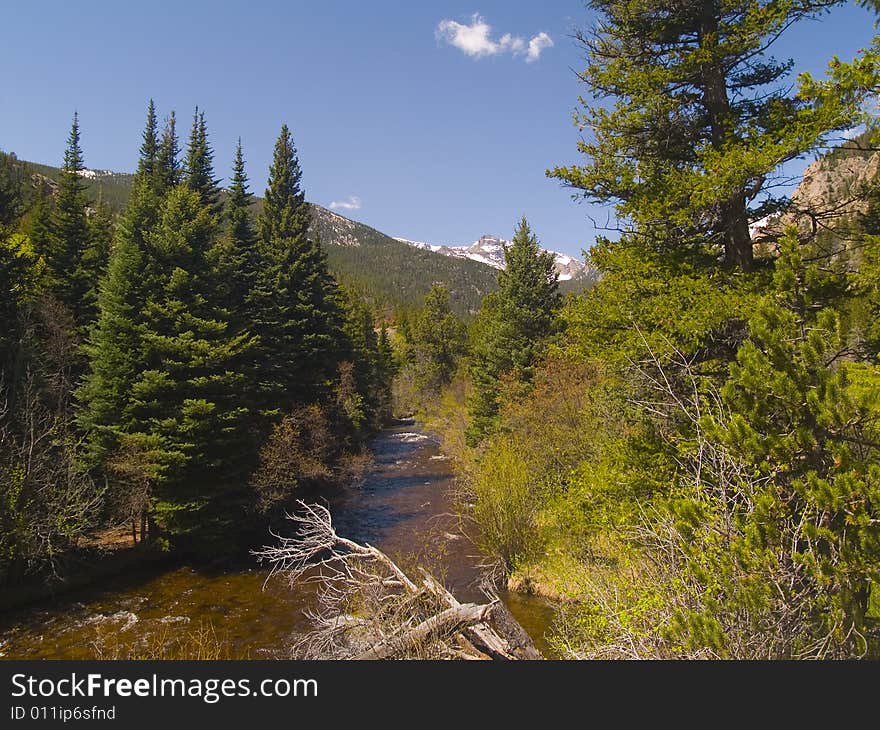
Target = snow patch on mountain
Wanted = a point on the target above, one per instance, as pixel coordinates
(95, 174)
(489, 250)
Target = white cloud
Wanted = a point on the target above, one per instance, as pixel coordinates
(537, 44)
(513, 44)
(473, 39)
(352, 202)
(476, 40)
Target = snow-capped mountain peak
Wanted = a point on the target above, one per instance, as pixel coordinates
(489, 250)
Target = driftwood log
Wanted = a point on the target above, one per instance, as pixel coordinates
(369, 608)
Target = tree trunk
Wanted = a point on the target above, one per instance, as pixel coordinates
(444, 623)
(737, 239)
(733, 223)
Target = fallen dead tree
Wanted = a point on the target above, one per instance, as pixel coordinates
(369, 608)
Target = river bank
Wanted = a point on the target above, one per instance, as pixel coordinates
(403, 506)
(82, 568)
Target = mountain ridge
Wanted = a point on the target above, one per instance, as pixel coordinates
(384, 271)
(489, 250)
(387, 271)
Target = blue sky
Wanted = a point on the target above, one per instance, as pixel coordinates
(438, 131)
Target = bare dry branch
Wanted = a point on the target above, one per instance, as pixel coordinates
(369, 608)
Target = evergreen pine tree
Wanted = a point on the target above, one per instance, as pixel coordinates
(167, 171)
(114, 346)
(239, 202)
(297, 315)
(797, 416)
(437, 340)
(236, 255)
(187, 394)
(515, 322)
(149, 152)
(199, 164)
(235, 261)
(701, 117)
(68, 275)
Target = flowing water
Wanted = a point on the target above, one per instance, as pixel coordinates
(403, 506)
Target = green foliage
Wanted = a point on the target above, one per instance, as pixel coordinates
(201, 336)
(436, 341)
(20, 272)
(164, 363)
(296, 310)
(237, 257)
(199, 164)
(149, 151)
(736, 502)
(806, 420)
(167, 172)
(364, 387)
(114, 345)
(701, 116)
(68, 247)
(661, 302)
(505, 505)
(695, 461)
(512, 330)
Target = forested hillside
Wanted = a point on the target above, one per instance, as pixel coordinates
(386, 272)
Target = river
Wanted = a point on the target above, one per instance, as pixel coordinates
(403, 506)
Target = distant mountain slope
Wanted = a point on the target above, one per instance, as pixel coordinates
(114, 188)
(385, 271)
(390, 272)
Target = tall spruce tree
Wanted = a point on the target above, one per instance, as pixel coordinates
(437, 340)
(238, 204)
(236, 255)
(149, 151)
(512, 330)
(297, 315)
(702, 117)
(67, 246)
(186, 396)
(235, 260)
(162, 401)
(199, 164)
(114, 347)
(167, 171)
